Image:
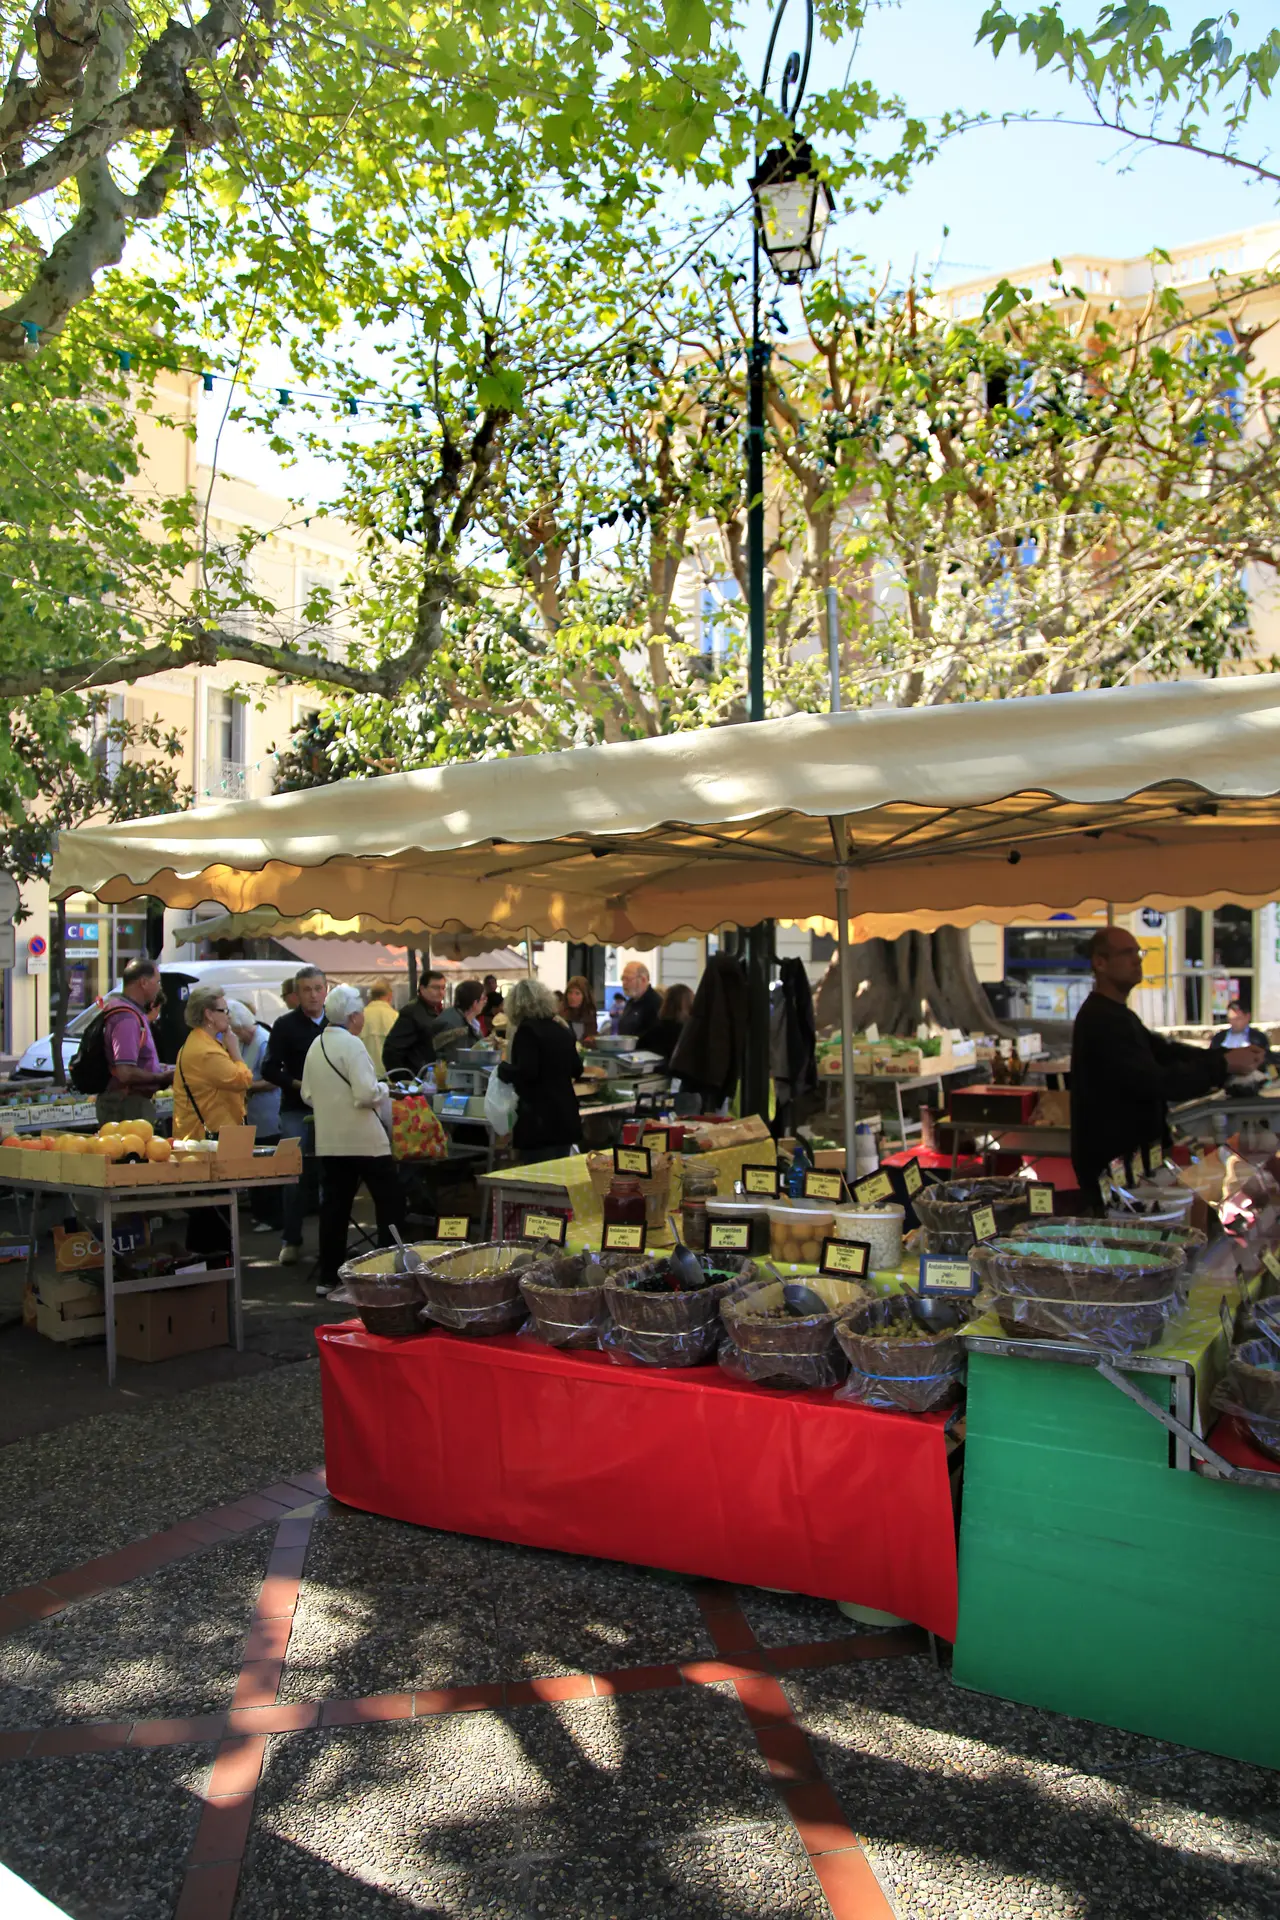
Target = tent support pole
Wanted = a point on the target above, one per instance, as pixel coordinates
(839, 833)
(528, 952)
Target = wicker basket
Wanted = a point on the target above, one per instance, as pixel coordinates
(656, 1190)
(1112, 1233)
(755, 1324)
(566, 1312)
(671, 1329)
(1253, 1379)
(1079, 1270)
(477, 1289)
(895, 1364)
(946, 1211)
(388, 1304)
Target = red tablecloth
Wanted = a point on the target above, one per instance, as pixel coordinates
(1235, 1443)
(509, 1439)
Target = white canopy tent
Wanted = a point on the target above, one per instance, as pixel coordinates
(1152, 794)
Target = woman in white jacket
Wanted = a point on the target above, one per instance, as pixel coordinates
(339, 1084)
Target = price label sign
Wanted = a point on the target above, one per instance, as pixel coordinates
(637, 1161)
(1155, 1156)
(1271, 1263)
(452, 1226)
(846, 1259)
(1040, 1195)
(621, 1239)
(873, 1188)
(1119, 1171)
(984, 1223)
(939, 1274)
(762, 1181)
(729, 1236)
(656, 1138)
(546, 1226)
(823, 1186)
(912, 1178)
(1227, 1318)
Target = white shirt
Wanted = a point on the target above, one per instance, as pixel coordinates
(346, 1124)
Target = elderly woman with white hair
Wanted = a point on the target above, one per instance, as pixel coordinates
(542, 1064)
(341, 1088)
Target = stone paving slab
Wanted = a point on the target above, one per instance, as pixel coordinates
(105, 1836)
(973, 1808)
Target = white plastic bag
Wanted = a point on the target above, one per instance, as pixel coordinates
(500, 1103)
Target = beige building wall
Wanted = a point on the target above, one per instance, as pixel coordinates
(231, 718)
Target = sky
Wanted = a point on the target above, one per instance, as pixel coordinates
(1010, 196)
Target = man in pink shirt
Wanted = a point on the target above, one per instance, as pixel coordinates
(136, 1072)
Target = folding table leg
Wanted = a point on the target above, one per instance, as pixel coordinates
(237, 1294)
(109, 1284)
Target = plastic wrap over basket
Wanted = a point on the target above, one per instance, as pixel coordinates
(1086, 1292)
(897, 1364)
(782, 1333)
(946, 1211)
(477, 1289)
(670, 1328)
(1250, 1390)
(565, 1296)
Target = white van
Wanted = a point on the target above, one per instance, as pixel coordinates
(256, 982)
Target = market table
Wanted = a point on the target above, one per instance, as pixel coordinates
(685, 1470)
(152, 1199)
(1099, 1575)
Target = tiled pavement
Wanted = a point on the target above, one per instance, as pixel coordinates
(282, 1708)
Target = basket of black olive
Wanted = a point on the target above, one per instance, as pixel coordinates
(781, 1333)
(665, 1312)
(946, 1211)
(565, 1296)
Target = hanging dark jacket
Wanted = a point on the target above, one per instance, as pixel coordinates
(708, 1054)
(798, 1027)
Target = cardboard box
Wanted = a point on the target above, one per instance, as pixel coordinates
(236, 1159)
(69, 1308)
(172, 1320)
(91, 1170)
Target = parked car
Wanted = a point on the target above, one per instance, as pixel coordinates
(256, 982)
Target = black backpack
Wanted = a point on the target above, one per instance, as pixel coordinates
(90, 1071)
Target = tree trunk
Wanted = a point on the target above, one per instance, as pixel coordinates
(918, 976)
(62, 994)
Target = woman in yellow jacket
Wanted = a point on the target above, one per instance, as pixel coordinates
(210, 1082)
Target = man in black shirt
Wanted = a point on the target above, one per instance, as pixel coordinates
(291, 1036)
(644, 1003)
(426, 1030)
(1122, 1076)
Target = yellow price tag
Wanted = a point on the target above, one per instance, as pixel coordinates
(622, 1239)
(761, 1180)
(1271, 1264)
(984, 1223)
(940, 1275)
(1040, 1195)
(874, 1188)
(849, 1259)
(823, 1186)
(634, 1160)
(453, 1227)
(912, 1178)
(656, 1138)
(729, 1236)
(546, 1226)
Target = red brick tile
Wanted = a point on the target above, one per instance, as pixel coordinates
(636, 1680)
(259, 1683)
(788, 1752)
(268, 1639)
(376, 1706)
(207, 1532)
(765, 1702)
(293, 1533)
(13, 1619)
(77, 1584)
(567, 1686)
(731, 1632)
(232, 1518)
(223, 1831)
(173, 1733)
(288, 1717)
(237, 1765)
(713, 1596)
(459, 1699)
(706, 1673)
(819, 1817)
(286, 1563)
(209, 1893)
(279, 1598)
(37, 1603)
(93, 1737)
(852, 1890)
(265, 1507)
(14, 1745)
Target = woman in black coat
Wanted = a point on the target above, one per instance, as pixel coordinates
(542, 1064)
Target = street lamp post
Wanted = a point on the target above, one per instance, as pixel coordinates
(790, 209)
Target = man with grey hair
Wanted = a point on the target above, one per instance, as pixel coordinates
(136, 1071)
(291, 1037)
(644, 1002)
